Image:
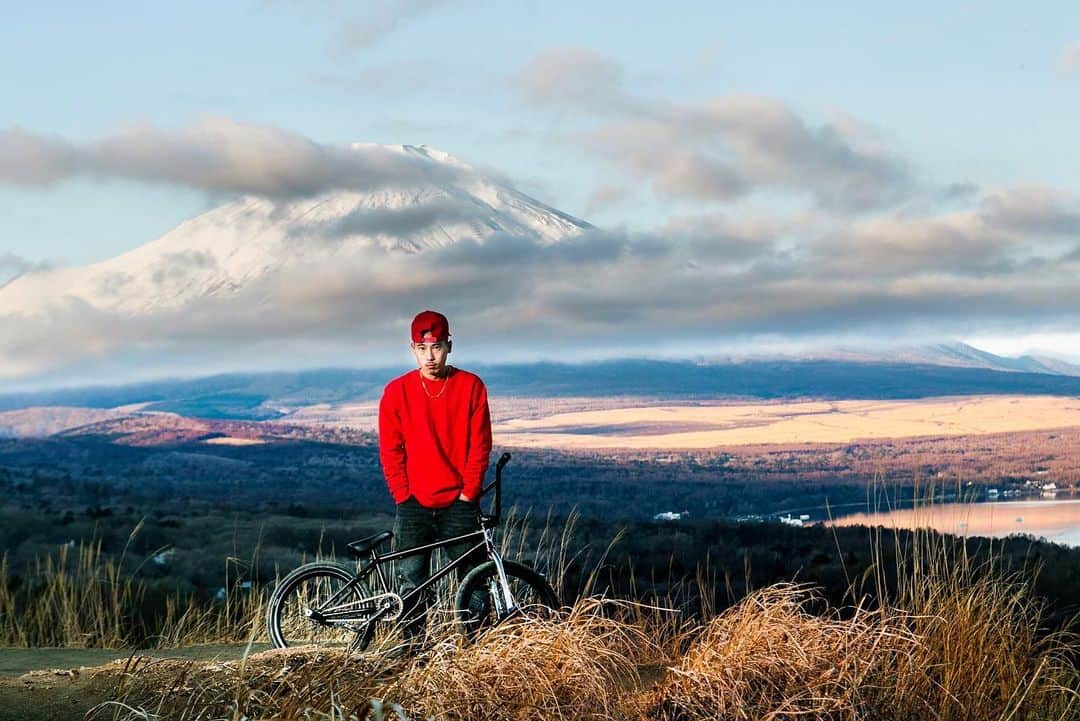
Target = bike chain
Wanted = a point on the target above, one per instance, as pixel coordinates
(390, 601)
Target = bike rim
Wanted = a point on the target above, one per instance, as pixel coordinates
(319, 611)
(484, 607)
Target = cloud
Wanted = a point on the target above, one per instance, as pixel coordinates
(1070, 58)
(893, 246)
(12, 266)
(701, 278)
(1035, 210)
(401, 223)
(719, 149)
(604, 197)
(1006, 233)
(575, 78)
(31, 159)
(732, 146)
(12, 263)
(382, 19)
(960, 191)
(216, 155)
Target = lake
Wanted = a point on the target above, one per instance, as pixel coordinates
(1056, 520)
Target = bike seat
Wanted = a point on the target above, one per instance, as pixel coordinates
(361, 547)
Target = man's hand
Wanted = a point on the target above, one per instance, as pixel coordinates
(463, 497)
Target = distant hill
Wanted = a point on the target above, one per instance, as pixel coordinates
(266, 396)
(40, 421)
(771, 379)
(235, 395)
(959, 355)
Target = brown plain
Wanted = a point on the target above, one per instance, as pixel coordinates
(718, 425)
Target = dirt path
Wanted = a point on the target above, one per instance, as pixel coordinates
(62, 684)
(54, 695)
(17, 661)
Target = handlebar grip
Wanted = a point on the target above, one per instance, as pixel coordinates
(503, 460)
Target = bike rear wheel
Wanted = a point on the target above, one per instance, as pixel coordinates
(479, 604)
(317, 604)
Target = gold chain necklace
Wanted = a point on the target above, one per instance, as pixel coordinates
(428, 393)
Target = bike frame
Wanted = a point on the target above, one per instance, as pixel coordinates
(505, 605)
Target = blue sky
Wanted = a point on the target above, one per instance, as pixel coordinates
(976, 95)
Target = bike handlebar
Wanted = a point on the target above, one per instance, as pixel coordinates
(497, 484)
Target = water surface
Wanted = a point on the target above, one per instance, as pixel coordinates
(1055, 519)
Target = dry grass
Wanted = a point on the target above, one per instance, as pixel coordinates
(77, 599)
(982, 650)
(956, 653)
(578, 666)
(953, 642)
(82, 598)
(581, 665)
(238, 618)
(770, 657)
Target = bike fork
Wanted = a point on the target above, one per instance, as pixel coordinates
(505, 603)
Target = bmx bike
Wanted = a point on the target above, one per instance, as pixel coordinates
(327, 604)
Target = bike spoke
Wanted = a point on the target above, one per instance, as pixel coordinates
(308, 618)
(483, 602)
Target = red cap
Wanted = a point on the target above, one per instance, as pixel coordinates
(430, 327)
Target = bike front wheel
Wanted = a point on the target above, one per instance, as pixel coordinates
(318, 604)
(481, 602)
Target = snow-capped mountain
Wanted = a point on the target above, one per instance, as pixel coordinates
(954, 354)
(226, 249)
(961, 355)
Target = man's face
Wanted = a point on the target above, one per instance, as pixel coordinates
(431, 358)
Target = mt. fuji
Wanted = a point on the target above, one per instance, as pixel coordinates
(226, 250)
(324, 267)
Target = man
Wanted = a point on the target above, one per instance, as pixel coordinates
(434, 445)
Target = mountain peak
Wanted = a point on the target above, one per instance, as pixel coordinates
(229, 248)
(422, 151)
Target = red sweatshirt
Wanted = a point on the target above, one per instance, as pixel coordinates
(435, 438)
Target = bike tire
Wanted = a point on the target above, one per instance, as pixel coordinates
(307, 587)
(475, 609)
